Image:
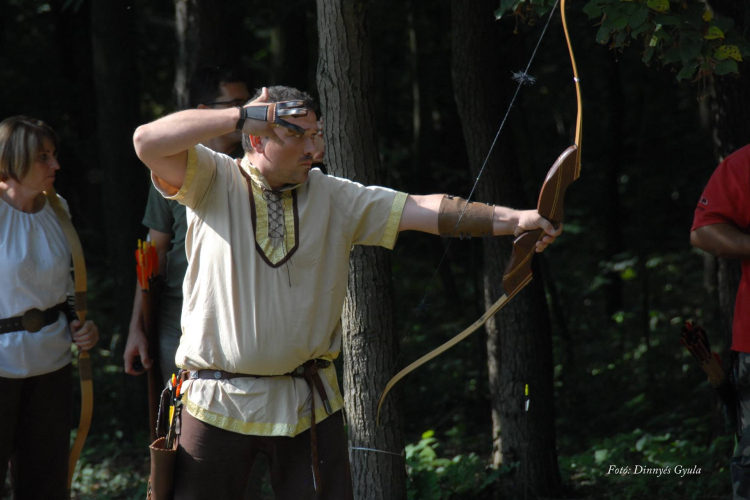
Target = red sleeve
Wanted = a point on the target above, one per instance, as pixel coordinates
(726, 197)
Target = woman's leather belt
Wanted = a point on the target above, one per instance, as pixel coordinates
(308, 371)
(33, 320)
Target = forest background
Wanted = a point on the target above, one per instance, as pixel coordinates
(412, 94)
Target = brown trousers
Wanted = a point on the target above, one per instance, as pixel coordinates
(215, 463)
(35, 434)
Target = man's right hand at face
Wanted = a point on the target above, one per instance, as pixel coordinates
(259, 119)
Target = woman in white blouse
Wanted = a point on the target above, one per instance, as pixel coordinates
(35, 367)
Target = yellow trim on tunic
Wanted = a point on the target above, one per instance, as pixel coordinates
(394, 219)
(192, 166)
(268, 428)
(274, 254)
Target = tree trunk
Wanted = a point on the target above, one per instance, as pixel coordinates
(188, 30)
(207, 35)
(124, 178)
(519, 338)
(370, 345)
(611, 184)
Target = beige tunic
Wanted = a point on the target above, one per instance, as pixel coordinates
(265, 286)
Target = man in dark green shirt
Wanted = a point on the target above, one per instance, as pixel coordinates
(210, 88)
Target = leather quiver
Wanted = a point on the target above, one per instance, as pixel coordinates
(161, 480)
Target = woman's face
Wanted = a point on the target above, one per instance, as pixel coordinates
(41, 175)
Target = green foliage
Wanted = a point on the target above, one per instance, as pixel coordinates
(111, 468)
(431, 477)
(682, 35)
(643, 465)
(521, 7)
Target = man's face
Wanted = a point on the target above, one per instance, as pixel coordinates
(232, 94)
(290, 163)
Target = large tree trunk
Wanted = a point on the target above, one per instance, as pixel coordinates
(370, 345)
(116, 86)
(611, 183)
(124, 178)
(207, 34)
(519, 337)
(188, 29)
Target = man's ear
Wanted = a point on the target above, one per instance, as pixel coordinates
(201, 106)
(257, 143)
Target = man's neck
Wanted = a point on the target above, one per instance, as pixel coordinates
(258, 162)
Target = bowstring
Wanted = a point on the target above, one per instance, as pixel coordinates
(422, 304)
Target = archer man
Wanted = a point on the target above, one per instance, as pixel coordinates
(268, 246)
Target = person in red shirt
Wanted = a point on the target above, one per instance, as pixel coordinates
(721, 227)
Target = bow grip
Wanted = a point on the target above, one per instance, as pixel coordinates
(564, 171)
(518, 271)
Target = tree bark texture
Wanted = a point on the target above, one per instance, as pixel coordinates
(207, 34)
(370, 345)
(124, 176)
(519, 338)
(187, 31)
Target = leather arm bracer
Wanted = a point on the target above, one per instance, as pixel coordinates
(476, 220)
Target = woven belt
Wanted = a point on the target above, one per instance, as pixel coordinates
(32, 320)
(308, 371)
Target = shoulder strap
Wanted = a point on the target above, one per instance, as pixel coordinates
(81, 305)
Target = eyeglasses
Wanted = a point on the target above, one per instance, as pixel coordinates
(234, 102)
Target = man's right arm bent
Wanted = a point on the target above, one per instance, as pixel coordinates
(162, 144)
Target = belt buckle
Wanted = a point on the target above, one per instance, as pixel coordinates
(33, 320)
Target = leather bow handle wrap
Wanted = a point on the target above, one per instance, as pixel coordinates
(565, 170)
(81, 305)
(550, 206)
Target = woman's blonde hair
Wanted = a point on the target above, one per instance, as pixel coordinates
(21, 139)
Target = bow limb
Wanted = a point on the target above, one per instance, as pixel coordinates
(518, 270)
(565, 170)
(437, 352)
(579, 100)
(563, 173)
(81, 305)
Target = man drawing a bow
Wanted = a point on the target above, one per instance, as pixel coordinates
(268, 246)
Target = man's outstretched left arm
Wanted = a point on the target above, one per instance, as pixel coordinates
(428, 213)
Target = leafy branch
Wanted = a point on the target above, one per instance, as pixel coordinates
(681, 34)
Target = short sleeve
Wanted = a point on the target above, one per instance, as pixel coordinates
(725, 198)
(158, 214)
(372, 213)
(199, 176)
(65, 206)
